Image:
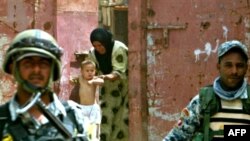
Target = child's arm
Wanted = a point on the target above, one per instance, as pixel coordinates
(98, 82)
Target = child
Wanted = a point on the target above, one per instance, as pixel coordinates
(89, 97)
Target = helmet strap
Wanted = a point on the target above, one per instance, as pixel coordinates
(51, 78)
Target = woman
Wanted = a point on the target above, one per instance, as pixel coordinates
(111, 57)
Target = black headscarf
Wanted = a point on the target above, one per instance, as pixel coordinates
(105, 38)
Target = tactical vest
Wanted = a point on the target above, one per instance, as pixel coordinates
(214, 113)
(18, 131)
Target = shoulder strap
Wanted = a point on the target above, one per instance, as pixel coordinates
(208, 107)
(208, 99)
(205, 96)
(4, 117)
(246, 103)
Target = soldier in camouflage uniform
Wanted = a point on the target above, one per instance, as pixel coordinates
(227, 101)
(35, 112)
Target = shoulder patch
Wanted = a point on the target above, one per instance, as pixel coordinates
(7, 137)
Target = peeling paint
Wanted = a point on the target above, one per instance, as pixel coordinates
(6, 81)
(6, 87)
(153, 111)
(150, 53)
(153, 101)
(64, 81)
(154, 135)
(247, 34)
(3, 41)
(17, 15)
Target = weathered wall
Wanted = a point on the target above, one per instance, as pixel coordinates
(70, 21)
(138, 105)
(166, 69)
(179, 64)
(75, 20)
(16, 16)
(181, 46)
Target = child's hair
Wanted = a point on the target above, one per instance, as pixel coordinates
(86, 62)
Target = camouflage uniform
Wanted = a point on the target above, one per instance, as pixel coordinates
(188, 122)
(35, 113)
(45, 130)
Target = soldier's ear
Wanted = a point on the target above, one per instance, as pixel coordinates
(11, 68)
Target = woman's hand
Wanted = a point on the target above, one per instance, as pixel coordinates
(96, 81)
(102, 76)
(111, 76)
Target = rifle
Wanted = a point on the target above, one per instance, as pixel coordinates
(36, 100)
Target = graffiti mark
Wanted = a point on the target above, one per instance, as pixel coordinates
(225, 33)
(208, 47)
(207, 50)
(197, 53)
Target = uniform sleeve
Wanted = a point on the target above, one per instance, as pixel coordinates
(187, 124)
(120, 61)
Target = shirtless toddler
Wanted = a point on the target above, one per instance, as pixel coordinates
(89, 97)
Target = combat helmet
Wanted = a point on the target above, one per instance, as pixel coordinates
(36, 42)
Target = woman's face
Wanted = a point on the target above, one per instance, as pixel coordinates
(99, 47)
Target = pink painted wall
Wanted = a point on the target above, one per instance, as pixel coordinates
(75, 20)
(70, 21)
(15, 16)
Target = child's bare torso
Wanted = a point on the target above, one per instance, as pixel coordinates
(86, 92)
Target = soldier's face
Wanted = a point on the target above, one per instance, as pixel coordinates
(35, 70)
(232, 69)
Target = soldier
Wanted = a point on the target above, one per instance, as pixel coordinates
(35, 112)
(225, 102)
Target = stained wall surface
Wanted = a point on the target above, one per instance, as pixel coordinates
(172, 49)
(70, 21)
(180, 40)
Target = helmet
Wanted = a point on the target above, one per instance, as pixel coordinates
(33, 41)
